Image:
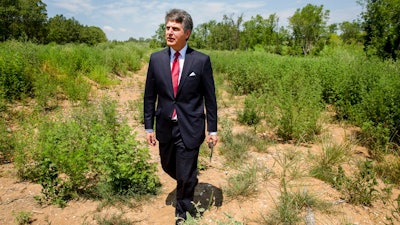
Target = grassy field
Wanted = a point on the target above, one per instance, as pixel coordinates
(81, 153)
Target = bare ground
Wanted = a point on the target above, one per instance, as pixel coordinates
(17, 196)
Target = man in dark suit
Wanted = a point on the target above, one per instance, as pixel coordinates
(180, 107)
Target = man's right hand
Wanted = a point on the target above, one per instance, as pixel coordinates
(151, 139)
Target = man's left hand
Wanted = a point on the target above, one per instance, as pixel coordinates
(212, 138)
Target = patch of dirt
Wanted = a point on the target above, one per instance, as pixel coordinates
(16, 196)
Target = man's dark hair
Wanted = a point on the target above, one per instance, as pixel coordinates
(180, 16)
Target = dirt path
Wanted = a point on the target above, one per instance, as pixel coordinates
(17, 197)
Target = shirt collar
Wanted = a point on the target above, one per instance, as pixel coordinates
(182, 52)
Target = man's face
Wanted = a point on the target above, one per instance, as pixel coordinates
(175, 36)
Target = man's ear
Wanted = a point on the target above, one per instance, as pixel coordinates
(188, 33)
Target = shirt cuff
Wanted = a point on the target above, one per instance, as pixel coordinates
(212, 133)
(149, 130)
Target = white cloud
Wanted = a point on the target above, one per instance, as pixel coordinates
(75, 6)
(108, 28)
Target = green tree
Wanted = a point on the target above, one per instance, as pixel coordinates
(8, 16)
(201, 33)
(63, 30)
(259, 31)
(382, 27)
(350, 32)
(92, 35)
(308, 26)
(225, 35)
(24, 19)
(34, 19)
(158, 40)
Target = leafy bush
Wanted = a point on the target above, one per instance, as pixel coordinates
(249, 115)
(361, 189)
(86, 152)
(15, 78)
(7, 142)
(289, 92)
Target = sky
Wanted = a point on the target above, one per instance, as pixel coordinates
(123, 19)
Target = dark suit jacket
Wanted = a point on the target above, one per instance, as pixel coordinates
(196, 90)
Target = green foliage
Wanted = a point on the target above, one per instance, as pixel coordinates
(51, 72)
(285, 92)
(389, 170)
(26, 20)
(361, 189)
(7, 142)
(290, 206)
(91, 149)
(15, 79)
(289, 92)
(114, 219)
(291, 203)
(308, 26)
(224, 35)
(350, 32)
(249, 115)
(259, 31)
(23, 19)
(382, 28)
(332, 156)
(23, 218)
(243, 183)
(234, 149)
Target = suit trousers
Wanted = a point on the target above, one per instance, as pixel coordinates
(180, 163)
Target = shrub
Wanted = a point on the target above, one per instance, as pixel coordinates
(15, 79)
(234, 150)
(244, 183)
(332, 156)
(7, 142)
(250, 114)
(389, 169)
(91, 149)
(361, 189)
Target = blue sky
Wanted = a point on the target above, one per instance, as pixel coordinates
(123, 19)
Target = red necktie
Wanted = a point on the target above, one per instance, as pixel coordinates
(175, 77)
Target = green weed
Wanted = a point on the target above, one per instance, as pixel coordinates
(23, 218)
(91, 148)
(332, 155)
(244, 183)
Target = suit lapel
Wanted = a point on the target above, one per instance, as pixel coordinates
(165, 65)
(186, 68)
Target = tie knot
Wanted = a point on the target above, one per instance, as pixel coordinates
(177, 54)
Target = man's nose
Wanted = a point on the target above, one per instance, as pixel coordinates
(170, 31)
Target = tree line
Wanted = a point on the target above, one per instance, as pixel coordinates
(377, 30)
(308, 33)
(26, 20)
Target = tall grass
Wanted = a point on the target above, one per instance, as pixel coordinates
(48, 72)
(290, 92)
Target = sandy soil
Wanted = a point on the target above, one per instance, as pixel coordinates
(17, 196)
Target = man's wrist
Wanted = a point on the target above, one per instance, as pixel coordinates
(149, 130)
